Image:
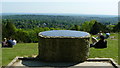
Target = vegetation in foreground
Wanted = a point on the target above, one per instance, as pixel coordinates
(25, 28)
(110, 52)
(29, 49)
(21, 49)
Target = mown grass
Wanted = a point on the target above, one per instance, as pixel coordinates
(29, 49)
(21, 49)
(110, 52)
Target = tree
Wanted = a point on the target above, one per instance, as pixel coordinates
(75, 27)
(22, 36)
(97, 27)
(87, 25)
(9, 29)
(117, 27)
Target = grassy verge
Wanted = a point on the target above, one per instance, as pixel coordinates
(29, 49)
(21, 49)
(110, 52)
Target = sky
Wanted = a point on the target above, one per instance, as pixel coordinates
(101, 7)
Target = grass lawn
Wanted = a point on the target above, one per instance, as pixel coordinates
(21, 49)
(110, 52)
(29, 49)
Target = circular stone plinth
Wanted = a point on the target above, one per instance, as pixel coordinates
(64, 34)
(63, 45)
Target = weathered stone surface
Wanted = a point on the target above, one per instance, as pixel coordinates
(67, 49)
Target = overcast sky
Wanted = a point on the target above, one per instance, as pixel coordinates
(106, 7)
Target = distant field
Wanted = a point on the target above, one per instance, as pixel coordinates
(29, 49)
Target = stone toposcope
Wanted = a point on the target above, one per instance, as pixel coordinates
(63, 46)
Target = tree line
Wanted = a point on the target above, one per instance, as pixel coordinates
(26, 30)
(22, 35)
(31, 21)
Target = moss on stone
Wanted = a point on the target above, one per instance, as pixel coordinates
(63, 49)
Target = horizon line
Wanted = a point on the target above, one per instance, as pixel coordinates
(59, 13)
